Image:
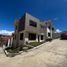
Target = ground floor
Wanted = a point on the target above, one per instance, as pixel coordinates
(24, 37)
(27, 37)
(50, 54)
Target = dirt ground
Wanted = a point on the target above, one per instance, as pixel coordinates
(50, 54)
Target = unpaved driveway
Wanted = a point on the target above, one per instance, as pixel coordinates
(50, 54)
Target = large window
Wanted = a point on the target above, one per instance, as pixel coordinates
(21, 36)
(32, 23)
(32, 36)
(41, 37)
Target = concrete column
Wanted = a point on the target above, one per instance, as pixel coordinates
(40, 38)
(8, 42)
(36, 38)
(11, 41)
(25, 37)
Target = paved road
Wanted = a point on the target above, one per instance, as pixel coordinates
(50, 54)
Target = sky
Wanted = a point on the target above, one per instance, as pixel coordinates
(55, 10)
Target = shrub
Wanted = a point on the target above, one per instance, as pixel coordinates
(35, 43)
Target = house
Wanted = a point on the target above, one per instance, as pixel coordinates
(30, 29)
(7, 40)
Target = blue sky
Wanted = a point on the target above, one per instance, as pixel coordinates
(56, 10)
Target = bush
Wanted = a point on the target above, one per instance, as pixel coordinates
(35, 43)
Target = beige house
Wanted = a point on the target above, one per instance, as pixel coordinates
(31, 29)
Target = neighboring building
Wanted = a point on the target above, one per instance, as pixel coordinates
(30, 29)
(6, 39)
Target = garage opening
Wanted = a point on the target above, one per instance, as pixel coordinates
(32, 36)
(49, 34)
(21, 36)
(41, 37)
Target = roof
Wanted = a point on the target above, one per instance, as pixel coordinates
(5, 37)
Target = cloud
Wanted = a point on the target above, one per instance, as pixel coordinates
(6, 32)
(58, 30)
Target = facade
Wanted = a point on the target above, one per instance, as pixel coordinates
(30, 29)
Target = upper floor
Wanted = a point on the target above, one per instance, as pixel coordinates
(31, 24)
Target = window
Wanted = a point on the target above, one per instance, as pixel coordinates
(49, 34)
(32, 36)
(21, 36)
(32, 23)
(41, 37)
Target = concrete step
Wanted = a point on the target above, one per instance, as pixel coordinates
(1, 50)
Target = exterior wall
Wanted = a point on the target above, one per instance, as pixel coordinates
(36, 38)
(21, 24)
(17, 37)
(22, 42)
(31, 28)
(42, 32)
(27, 39)
(43, 37)
(49, 31)
(19, 27)
(56, 35)
(37, 30)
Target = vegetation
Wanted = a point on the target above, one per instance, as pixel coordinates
(35, 43)
(30, 45)
(12, 51)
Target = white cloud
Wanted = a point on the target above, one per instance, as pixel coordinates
(6, 32)
(58, 30)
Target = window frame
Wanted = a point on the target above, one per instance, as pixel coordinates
(32, 23)
(30, 36)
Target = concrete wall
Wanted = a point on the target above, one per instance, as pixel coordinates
(26, 39)
(49, 31)
(31, 28)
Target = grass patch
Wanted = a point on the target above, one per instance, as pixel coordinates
(31, 45)
(11, 52)
(24, 47)
(35, 43)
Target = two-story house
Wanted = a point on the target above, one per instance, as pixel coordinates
(31, 29)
